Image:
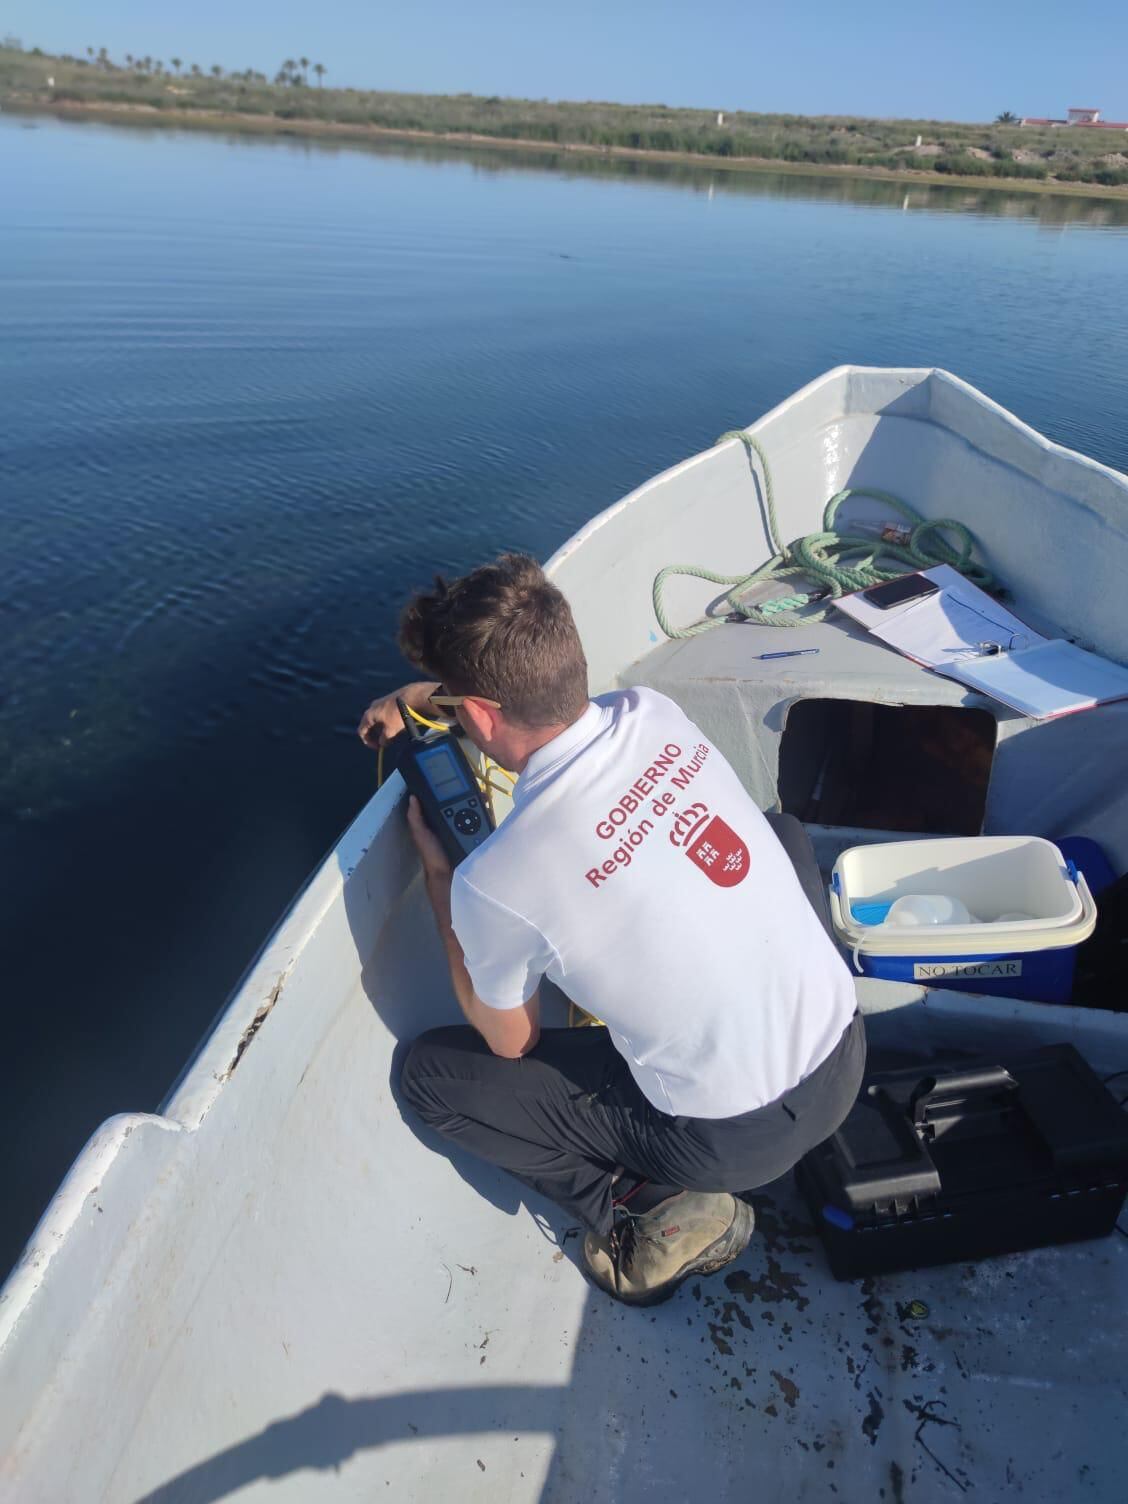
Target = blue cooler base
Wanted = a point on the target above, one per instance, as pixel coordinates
(1044, 976)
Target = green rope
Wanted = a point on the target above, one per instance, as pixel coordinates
(837, 563)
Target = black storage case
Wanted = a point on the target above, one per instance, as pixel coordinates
(960, 1161)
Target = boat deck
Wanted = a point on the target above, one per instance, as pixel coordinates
(462, 1348)
(848, 658)
(280, 1289)
(1044, 776)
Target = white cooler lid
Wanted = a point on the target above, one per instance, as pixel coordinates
(1073, 925)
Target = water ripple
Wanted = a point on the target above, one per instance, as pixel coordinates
(251, 397)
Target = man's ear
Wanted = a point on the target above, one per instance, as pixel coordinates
(481, 719)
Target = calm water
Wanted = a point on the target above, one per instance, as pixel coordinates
(252, 393)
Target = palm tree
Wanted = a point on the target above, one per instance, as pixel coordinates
(103, 58)
(195, 70)
(303, 63)
(129, 60)
(319, 69)
(1006, 118)
(216, 71)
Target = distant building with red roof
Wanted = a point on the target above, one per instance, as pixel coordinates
(1074, 116)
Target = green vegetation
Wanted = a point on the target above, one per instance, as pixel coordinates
(31, 80)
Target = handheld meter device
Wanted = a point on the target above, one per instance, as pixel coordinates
(436, 771)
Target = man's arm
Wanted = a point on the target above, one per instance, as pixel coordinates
(382, 720)
(509, 1032)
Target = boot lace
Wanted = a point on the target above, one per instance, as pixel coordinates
(627, 1236)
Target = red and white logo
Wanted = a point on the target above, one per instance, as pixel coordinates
(720, 853)
(712, 845)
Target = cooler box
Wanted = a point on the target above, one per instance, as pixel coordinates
(1032, 908)
(961, 1160)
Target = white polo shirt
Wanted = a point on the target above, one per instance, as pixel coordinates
(636, 873)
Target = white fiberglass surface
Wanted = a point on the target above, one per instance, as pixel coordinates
(409, 1323)
(304, 1299)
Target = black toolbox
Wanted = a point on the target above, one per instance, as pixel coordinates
(961, 1161)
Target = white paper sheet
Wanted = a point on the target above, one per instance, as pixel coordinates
(1051, 679)
(944, 629)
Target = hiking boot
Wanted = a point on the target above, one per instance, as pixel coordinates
(647, 1257)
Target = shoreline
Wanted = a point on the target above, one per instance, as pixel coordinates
(275, 125)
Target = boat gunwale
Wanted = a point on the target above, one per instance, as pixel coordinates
(236, 1025)
(912, 377)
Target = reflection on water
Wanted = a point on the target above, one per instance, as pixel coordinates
(1046, 208)
(254, 391)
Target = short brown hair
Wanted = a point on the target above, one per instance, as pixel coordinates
(504, 632)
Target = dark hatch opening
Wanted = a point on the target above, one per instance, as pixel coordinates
(887, 767)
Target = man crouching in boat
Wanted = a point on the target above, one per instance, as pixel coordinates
(636, 873)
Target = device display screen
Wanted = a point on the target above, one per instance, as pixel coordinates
(443, 773)
(894, 592)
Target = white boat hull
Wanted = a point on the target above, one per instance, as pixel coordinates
(276, 1289)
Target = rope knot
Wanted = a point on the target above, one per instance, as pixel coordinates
(821, 557)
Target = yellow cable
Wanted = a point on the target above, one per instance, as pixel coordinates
(485, 779)
(578, 1018)
(487, 787)
(489, 768)
(423, 721)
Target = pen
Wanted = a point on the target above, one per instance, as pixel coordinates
(787, 653)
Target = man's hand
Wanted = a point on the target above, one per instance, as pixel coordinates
(509, 1032)
(436, 865)
(382, 720)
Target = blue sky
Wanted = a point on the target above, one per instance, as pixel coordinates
(960, 60)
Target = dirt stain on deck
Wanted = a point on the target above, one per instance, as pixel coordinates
(719, 1335)
(775, 1285)
(897, 1483)
(872, 1423)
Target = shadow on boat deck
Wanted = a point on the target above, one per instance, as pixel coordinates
(327, 1434)
(771, 1372)
(993, 1379)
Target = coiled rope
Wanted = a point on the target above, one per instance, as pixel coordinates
(822, 558)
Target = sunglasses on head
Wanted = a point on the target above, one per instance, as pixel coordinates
(442, 701)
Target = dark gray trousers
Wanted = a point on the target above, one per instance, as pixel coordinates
(568, 1115)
